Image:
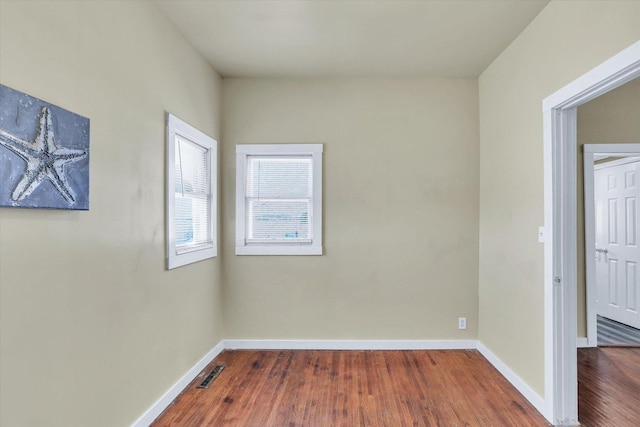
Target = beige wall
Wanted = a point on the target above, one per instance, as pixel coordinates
(400, 209)
(566, 40)
(93, 329)
(610, 119)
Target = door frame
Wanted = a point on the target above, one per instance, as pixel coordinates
(590, 151)
(560, 222)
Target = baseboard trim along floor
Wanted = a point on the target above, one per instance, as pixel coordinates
(161, 404)
(350, 344)
(534, 398)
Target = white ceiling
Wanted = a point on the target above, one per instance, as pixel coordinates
(436, 38)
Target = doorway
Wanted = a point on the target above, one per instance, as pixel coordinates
(560, 254)
(612, 247)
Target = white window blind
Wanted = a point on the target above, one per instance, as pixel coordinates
(192, 196)
(279, 199)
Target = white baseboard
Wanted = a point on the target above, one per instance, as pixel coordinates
(350, 344)
(582, 342)
(524, 389)
(161, 404)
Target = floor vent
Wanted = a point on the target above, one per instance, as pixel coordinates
(206, 382)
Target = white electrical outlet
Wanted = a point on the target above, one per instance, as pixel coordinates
(462, 323)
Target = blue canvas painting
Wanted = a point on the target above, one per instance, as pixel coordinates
(44, 154)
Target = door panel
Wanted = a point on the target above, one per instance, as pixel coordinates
(632, 288)
(613, 221)
(631, 221)
(617, 253)
(612, 284)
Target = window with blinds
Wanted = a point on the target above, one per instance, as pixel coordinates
(279, 198)
(279, 190)
(191, 194)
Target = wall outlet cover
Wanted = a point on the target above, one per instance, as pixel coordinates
(462, 323)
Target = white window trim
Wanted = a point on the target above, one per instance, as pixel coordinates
(313, 248)
(174, 258)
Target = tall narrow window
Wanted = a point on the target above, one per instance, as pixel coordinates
(279, 199)
(191, 194)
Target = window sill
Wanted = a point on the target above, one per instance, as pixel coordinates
(278, 250)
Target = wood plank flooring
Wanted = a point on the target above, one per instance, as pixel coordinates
(352, 388)
(609, 387)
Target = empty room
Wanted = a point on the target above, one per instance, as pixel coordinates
(316, 213)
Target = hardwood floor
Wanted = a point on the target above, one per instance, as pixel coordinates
(609, 387)
(352, 388)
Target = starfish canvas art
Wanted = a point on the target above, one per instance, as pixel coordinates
(44, 154)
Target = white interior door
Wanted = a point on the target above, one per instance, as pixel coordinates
(617, 215)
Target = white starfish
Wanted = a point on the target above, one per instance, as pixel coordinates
(44, 159)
